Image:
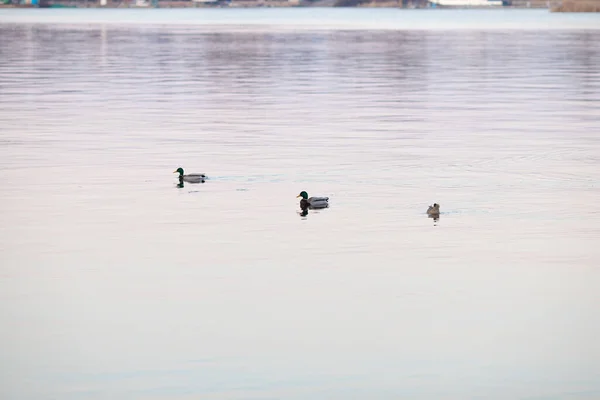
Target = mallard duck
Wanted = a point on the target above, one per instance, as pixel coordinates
(434, 209)
(312, 202)
(191, 178)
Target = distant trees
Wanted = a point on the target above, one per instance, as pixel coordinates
(349, 3)
(578, 6)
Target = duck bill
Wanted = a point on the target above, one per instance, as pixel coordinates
(298, 196)
(174, 172)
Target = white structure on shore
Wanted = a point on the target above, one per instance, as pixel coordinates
(467, 3)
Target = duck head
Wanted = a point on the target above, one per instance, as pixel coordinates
(180, 170)
(303, 194)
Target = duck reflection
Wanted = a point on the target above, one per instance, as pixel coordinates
(180, 184)
(304, 207)
(435, 217)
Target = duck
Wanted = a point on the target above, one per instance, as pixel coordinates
(434, 209)
(191, 178)
(312, 202)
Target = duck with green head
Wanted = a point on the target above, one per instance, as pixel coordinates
(191, 178)
(312, 202)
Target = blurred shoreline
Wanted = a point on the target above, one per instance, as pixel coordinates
(552, 5)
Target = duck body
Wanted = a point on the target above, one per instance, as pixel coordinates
(193, 178)
(313, 202)
(434, 209)
(190, 178)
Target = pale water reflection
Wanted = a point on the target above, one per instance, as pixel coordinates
(115, 283)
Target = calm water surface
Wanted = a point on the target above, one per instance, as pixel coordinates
(117, 284)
